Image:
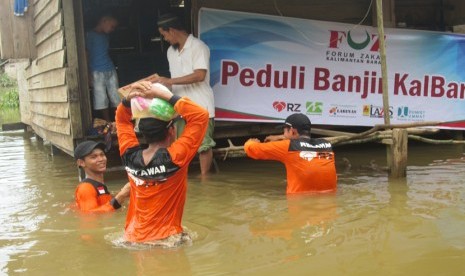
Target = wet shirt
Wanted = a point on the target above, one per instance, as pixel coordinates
(93, 196)
(309, 162)
(158, 189)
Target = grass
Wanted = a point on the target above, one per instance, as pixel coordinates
(9, 96)
(9, 116)
(9, 100)
(6, 81)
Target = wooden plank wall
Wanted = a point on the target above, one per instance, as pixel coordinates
(46, 77)
(79, 98)
(16, 32)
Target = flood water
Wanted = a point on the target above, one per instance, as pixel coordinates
(241, 220)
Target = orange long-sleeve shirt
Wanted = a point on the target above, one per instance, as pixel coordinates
(158, 189)
(93, 197)
(309, 162)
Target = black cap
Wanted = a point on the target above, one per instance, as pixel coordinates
(152, 126)
(86, 147)
(298, 121)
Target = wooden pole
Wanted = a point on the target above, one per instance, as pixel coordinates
(382, 52)
(399, 153)
(395, 156)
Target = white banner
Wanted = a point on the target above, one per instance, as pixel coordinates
(264, 68)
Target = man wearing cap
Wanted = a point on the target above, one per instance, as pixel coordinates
(157, 171)
(309, 161)
(91, 194)
(189, 62)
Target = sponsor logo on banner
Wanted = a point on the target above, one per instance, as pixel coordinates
(290, 107)
(314, 108)
(350, 47)
(374, 111)
(343, 111)
(294, 107)
(279, 106)
(404, 113)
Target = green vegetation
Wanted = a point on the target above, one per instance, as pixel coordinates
(9, 116)
(6, 81)
(9, 100)
(9, 96)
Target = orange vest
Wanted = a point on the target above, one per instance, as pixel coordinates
(93, 196)
(309, 162)
(158, 189)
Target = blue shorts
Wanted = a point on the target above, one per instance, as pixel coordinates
(105, 89)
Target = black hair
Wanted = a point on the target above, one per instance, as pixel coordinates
(169, 20)
(154, 137)
(304, 132)
(153, 130)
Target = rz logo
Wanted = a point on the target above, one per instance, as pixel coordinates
(294, 107)
(280, 106)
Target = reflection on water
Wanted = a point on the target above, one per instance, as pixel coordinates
(241, 221)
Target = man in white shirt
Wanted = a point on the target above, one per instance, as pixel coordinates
(189, 62)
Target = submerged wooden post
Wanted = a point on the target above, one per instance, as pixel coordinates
(395, 156)
(398, 168)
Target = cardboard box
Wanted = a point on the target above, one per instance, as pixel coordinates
(124, 91)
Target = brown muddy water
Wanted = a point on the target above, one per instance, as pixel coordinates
(241, 220)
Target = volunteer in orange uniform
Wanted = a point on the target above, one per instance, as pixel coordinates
(158, 171)
(309, 161)
(91, 194)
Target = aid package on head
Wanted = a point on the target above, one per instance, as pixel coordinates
(154, 108)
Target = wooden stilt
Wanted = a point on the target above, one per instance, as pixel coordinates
(39, 139)
(399, 147)
(392, 148)
(54, 150)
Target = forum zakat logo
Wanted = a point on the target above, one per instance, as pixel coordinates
(353, 47)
